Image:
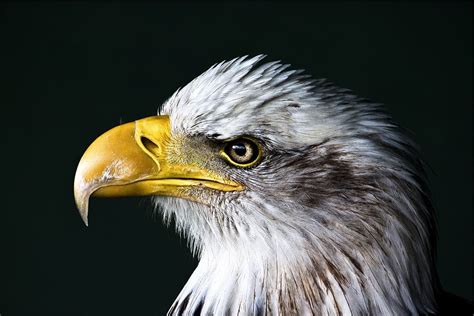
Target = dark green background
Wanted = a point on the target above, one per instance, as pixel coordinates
(70, 72)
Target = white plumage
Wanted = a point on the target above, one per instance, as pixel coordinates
(336, 218)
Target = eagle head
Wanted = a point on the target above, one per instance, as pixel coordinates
(297, 196)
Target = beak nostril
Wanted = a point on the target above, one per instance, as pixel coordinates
(151, 146)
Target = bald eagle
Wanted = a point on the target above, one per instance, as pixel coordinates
(298, 197)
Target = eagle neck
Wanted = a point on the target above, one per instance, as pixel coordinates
(250, 284)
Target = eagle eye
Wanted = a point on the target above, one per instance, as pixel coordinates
(242, 152)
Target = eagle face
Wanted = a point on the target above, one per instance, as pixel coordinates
(298, 197)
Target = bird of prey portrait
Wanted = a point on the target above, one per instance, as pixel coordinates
(298, 197)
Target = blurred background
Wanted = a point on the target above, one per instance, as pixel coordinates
(69, 72)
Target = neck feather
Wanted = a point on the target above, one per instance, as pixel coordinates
(301, 277)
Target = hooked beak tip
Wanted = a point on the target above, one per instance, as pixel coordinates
(82, 200)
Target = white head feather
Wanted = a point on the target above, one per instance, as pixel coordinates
(334, 220)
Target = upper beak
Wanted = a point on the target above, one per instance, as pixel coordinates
(131, 160)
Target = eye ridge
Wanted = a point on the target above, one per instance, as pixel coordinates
(242, 152)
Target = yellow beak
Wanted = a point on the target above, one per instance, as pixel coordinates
(131, 160)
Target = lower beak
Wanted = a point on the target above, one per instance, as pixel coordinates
(131, 160)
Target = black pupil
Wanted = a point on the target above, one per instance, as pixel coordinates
(239, 149)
